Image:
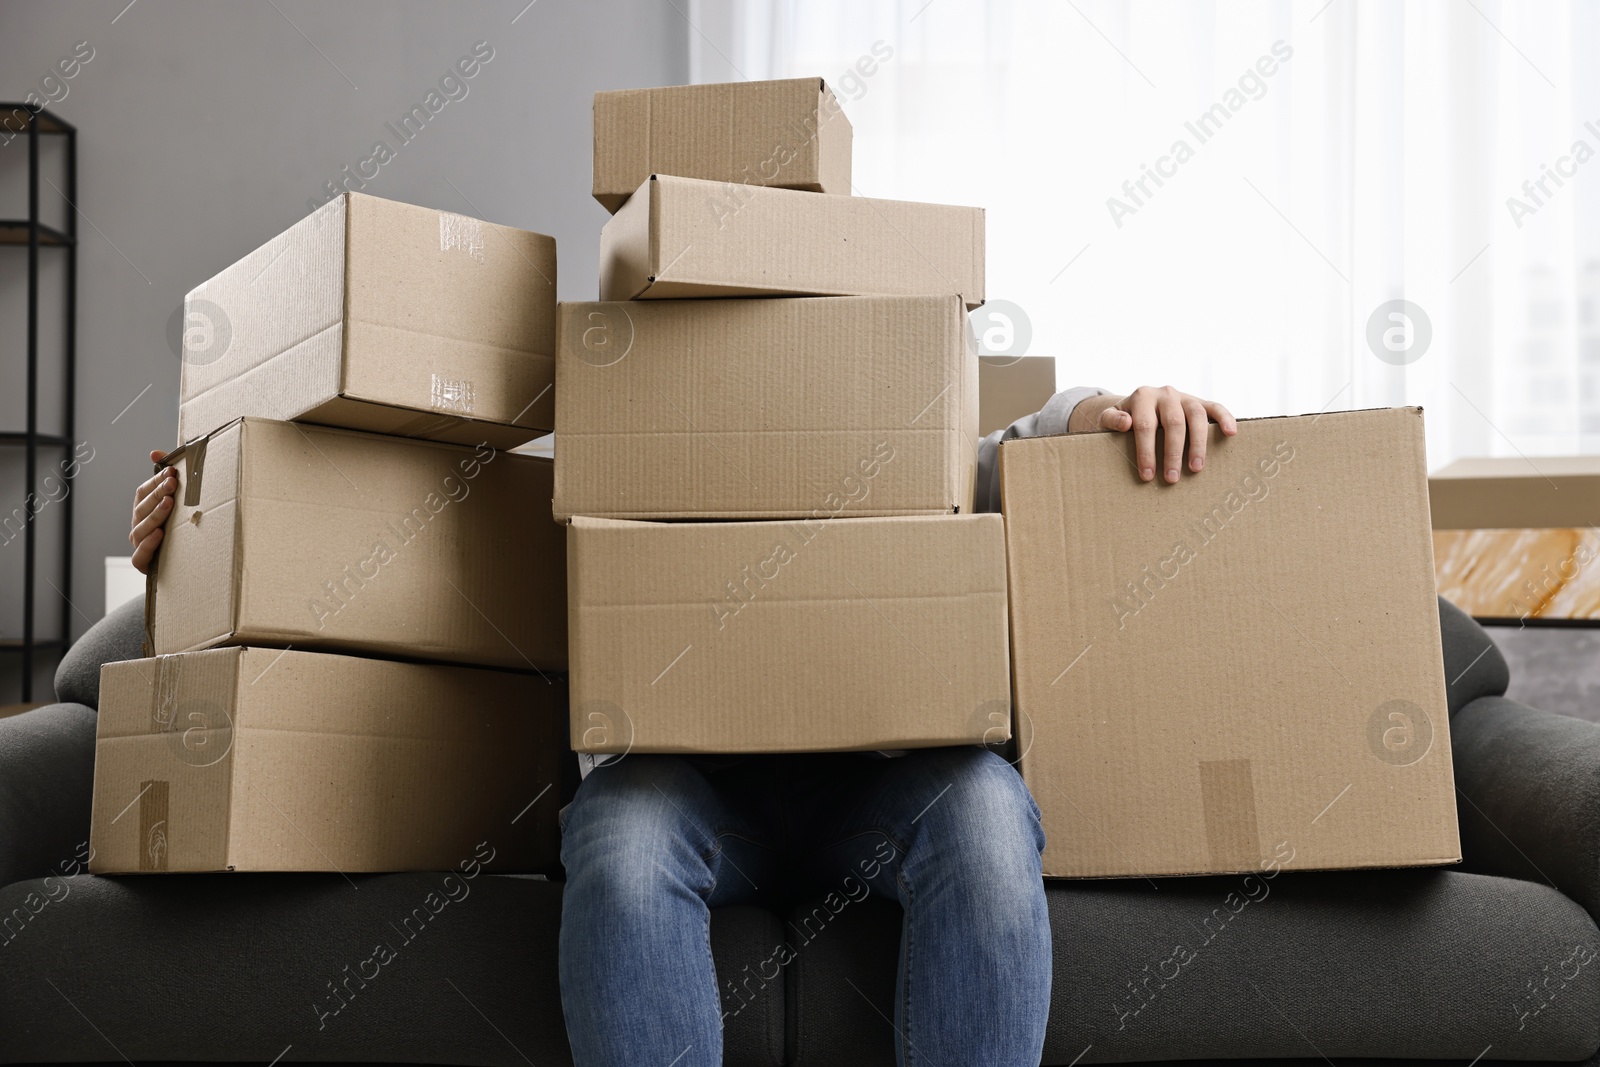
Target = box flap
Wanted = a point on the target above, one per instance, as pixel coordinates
(191, 599)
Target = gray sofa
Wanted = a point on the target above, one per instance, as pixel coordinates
(1496, 961)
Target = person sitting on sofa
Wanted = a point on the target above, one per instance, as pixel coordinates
(651, 843)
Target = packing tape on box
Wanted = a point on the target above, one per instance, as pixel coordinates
(194, 468)
(154, 804)
(426, 423)
(1228, 800)
(169, 679)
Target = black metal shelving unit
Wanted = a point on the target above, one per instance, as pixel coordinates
(33, 235)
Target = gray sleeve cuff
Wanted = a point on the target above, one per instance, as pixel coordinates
(1051, 419)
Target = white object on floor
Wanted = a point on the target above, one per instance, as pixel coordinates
(123, 583)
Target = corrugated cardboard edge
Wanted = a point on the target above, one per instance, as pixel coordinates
(344, 297)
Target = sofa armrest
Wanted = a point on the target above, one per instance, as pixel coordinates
(46, 782)
(1473, 664)
(1528, 796)
(118, 636)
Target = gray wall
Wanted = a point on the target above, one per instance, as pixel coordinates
(204, 129)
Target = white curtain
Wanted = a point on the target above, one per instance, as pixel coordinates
(1357, 152)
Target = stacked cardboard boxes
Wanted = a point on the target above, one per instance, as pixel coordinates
(354, 618)
(857, 604)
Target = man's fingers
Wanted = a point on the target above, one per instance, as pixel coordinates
(1222, 417)
(145, 551)
(148, 498)
(153, 521)
(1142, 411)
(1173, 421)
(1114, 418)
(1199, 430)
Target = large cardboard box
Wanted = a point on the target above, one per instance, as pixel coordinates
(284, 534)
(1237, 670)
(1012, 387)
(1517, 538)
(260, 759)
(682, 237)
(765, 409)
(381, 316)
(814, 635)
(790, 134)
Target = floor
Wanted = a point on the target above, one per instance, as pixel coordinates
(1557, 669)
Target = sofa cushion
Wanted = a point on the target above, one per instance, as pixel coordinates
(240, 967)
(118, 636)
(1423, 964)
(46, 782)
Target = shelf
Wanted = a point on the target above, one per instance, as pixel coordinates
(15, 232)
(14, 644)
(48, 121)
(44, 440)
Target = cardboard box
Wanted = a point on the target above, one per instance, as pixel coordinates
(683, 237)
(815, 635)
(284, 534)
(789, 134)
(1238, 670)
(765, 409)
(1012, 387)
(1516, 539)
(252, 759)
(375, 315)
(1507, 493)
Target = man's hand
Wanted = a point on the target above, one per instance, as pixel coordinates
(152, 503)
(1182, 416)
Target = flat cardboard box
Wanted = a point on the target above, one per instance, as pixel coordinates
(684, 237)
(1517, 493)
(376, 315)
(284, 534)
(790, 134)
(1012, 387)
(1238, 670)
(813, 635)
(765, 409)
(252, 759)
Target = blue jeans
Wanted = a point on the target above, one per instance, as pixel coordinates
(652, 843)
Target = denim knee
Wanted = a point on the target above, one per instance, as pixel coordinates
(985, 822)
(628, 832)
